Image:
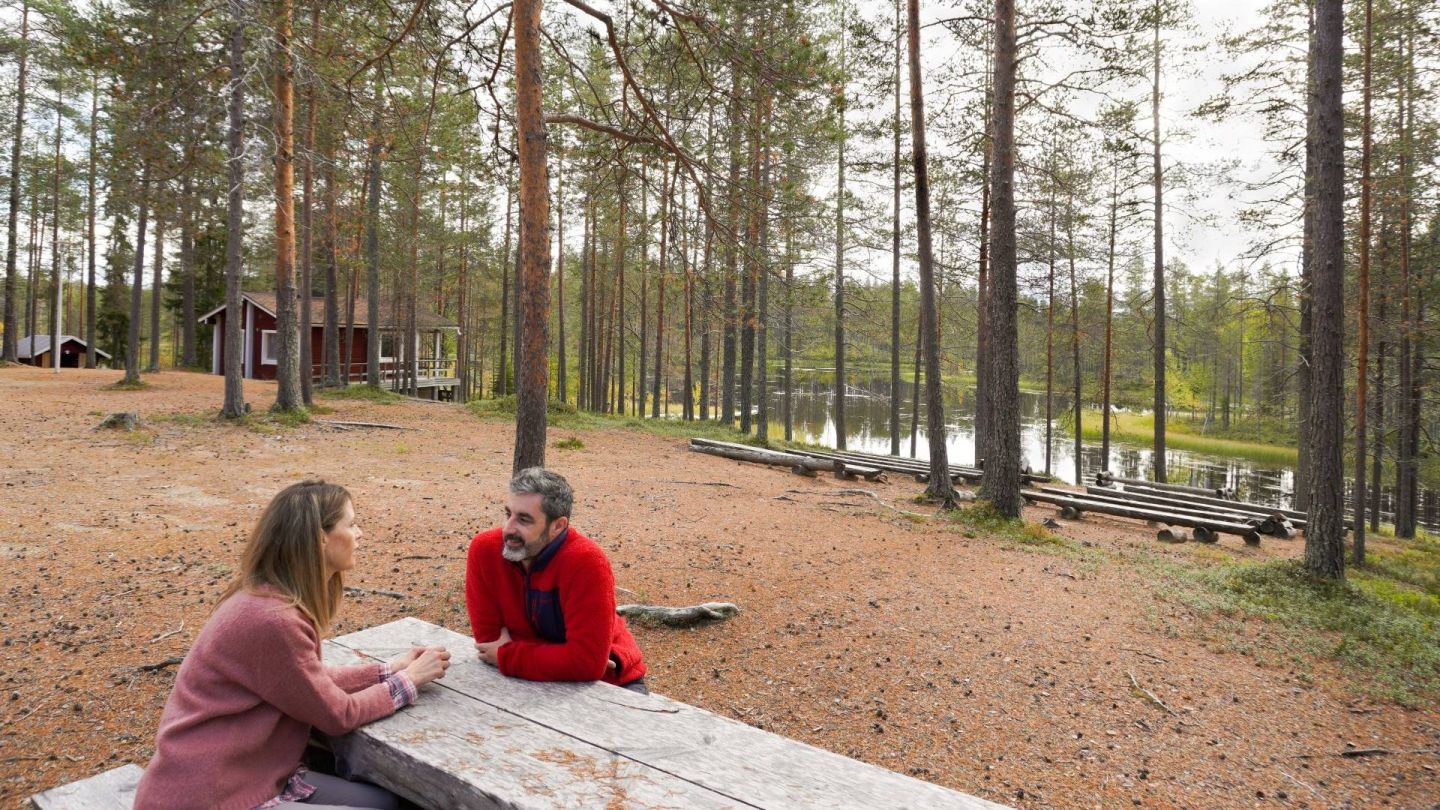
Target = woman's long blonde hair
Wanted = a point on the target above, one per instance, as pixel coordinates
(286, 550)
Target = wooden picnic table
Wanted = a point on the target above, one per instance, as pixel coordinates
(480, 739)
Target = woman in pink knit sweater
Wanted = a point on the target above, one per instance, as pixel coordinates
(253, 684)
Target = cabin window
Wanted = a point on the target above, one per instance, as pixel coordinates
(267, 347)
(389, 345)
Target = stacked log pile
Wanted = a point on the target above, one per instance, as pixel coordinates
(1208, 512)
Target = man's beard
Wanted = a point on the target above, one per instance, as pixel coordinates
(520, 554)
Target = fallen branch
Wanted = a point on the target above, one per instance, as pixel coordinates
(377, 425)
(703, 483)
(681, 616)
(881, 501)
(159, 665)
(353, 591)
(1147, 693)
(1146, 654)
(174, 632)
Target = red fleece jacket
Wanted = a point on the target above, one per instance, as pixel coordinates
(577, 578)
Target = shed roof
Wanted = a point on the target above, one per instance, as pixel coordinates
(31, 345)
(425, 319)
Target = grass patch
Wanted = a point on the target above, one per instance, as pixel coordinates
(983, 517)
(1383, 629)
(138, 385)
(189, 419)
(364, 393)
(1140, 428)
(565, 416)
(571, 443)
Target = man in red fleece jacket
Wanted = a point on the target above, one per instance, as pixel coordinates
(541, 595)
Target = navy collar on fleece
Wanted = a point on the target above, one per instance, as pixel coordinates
(548, 553)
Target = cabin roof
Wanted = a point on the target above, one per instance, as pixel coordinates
(425, 320)
(31, 345)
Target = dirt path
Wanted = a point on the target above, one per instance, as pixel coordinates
(978, 663)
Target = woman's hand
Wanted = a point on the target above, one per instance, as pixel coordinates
(429, 664)
(489, 651)
(405, 659)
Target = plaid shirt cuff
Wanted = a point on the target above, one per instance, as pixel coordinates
(402, 689)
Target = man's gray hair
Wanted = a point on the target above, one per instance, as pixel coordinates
(556, 497)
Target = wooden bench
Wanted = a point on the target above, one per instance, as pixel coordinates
(477, 739)
(110, 790)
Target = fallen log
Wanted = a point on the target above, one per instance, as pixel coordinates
(1172, 535)
(1205, 528)
(1291, 514)
(1273, 525)
(681, 616)
(1240, 508)
(801, 465)
(1106, 478)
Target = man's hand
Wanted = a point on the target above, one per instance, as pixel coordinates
(489, 651)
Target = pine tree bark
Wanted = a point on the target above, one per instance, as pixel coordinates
(1000, 390)
(90, 290)
(562, 362)
(187, 271)
(661, 270)
(132, 344)
(1325, 531)
(940, 487)
(762, 270)
(1109, 318)
(838, 409)
(287, 335)
(234, 405)
(534, 293)
(1362, 338)
(156, 293)
(620, 256)
(894, 259)
(1159, 268)
(329, 249)
(374, 334)
(55, 285)
(10, 345)
(502, 375)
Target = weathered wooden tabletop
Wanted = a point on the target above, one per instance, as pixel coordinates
(480, 739)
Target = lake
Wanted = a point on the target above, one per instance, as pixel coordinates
(867, 413)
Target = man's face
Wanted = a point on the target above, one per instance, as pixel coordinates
(526, 531)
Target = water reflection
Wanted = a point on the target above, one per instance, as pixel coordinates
(867, 415)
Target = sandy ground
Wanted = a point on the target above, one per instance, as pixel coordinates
(973, 662)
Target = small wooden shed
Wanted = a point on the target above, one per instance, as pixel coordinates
(34, 350)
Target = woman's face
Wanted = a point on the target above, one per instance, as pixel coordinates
(340, 542)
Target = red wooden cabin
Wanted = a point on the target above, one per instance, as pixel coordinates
(437, 372)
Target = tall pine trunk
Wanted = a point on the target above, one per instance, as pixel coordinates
(940, 487)
(1000, 390)
(534, 240)
(234, 406)
(1159, 268)
(287, 355)
(90, 292)
(9, 346)
(839, 405)
(894, 259)
(156, 293)
(1362, 338)
(1325, 531)
(132, 344)
(374, 334)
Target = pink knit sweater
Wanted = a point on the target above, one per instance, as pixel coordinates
(245, 699)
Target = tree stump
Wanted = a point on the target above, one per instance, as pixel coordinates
(127, 421)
